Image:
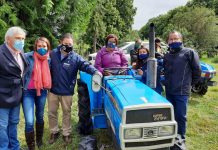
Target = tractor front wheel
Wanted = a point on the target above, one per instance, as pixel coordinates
(85, 126)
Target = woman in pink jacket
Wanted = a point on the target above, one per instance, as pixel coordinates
(110, 55)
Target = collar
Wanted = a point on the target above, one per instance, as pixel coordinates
(14, 53)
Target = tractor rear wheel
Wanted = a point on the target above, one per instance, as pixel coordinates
(85, 126)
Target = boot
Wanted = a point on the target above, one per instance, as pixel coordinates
(30, 140)
(39, 134)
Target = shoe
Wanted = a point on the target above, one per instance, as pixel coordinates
(179, 144)
(53, 138)
(39, 134)
(67, 139)
(30, 140)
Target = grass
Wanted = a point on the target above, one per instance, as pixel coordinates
(202, 130)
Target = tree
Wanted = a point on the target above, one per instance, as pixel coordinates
(8, 18)
(109, 16)
(197, 24)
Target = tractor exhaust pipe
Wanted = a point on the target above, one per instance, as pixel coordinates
(152, 61)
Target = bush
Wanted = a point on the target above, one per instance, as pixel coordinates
(215, 60)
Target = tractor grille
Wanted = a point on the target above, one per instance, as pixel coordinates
(150, 132)
(149, 143)
(148, 115)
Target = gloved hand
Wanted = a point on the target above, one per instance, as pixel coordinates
(98, 73)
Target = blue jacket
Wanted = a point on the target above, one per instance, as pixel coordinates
(11, 82)
(64, 72)
(30, 60)
(159, 88)
(182, 69)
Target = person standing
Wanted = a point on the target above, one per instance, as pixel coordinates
(37, 82)
(13, 66)
(182, 69)
(65, 64)
(134, 52)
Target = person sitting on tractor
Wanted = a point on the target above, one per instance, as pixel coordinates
(141, 67)
(110, 56)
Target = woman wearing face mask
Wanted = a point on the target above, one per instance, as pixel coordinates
(110, 56)
(36, 83)
(141, 66)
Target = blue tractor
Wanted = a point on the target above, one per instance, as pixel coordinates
(137, 116)
(208, 73)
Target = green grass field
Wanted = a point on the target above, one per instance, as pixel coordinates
(202, 131)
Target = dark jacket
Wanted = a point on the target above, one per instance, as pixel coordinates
(11, 82)
(28, 75)
(64, 72)
(182, 69)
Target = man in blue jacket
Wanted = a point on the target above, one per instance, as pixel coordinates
(182, 69)
(65, 64)
(12, 69)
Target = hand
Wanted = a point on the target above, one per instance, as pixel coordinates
(106, 73)
(98, 73)
(140, 72)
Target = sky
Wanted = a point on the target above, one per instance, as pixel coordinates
(147, 9)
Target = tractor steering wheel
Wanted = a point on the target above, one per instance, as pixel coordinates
(116, 70)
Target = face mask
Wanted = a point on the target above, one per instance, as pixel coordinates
(42, 51)
(19, 44)
(143, 56)
(67, 48)
(175, 45)
(137, 46)
(111, 45)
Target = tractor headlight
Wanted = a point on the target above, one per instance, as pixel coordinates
(133, 133)
(166, 130)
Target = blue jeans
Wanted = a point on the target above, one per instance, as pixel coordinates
(9, 119)
(29, 99)
(180, 103)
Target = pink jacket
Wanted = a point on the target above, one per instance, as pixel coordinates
(105, 59)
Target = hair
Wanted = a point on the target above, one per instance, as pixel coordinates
(157, 40)
(142, 47)
(66, 35)
(111, 36)
(14, 30)
(44, 40)
(172, 32)
(138, 41)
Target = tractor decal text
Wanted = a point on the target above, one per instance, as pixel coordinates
(159, 117)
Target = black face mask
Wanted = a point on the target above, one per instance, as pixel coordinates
(66, 48)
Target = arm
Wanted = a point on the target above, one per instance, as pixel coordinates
(195, 66)
(98, 62)
(85, 66)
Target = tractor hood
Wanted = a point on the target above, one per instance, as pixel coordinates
(129, 91)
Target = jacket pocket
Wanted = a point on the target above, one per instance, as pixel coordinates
(5, 90)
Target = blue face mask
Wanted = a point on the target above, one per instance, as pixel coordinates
(175, 45)
(42, 51)
(143, 56)
(19, 44)
(111, 45)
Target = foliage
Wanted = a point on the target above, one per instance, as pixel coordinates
(49, 18)
(197, 24)
(109, 16)
(215, 60)
(213, 4)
